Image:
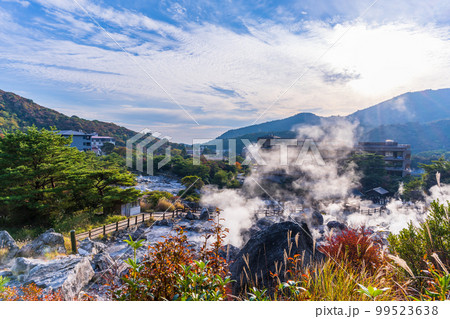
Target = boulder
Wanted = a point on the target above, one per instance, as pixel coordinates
(229, 252)
(265, 222)
(107, 270)
(204, 215)
(334, 224)
(102, 262)
(246, 234)
(190, 216)
(268, 247)
(163, 222)
(22, 266)
(6, 273)
(9, 244)
(316, 219)
(89, 247)
(70, 274)
(48, 242)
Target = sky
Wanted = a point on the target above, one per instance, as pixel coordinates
(195, 69)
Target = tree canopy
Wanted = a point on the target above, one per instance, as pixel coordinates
(41, 177)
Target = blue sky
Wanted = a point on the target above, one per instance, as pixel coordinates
(194, 69)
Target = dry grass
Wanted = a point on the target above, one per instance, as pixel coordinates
(3, 253)
(165, 205)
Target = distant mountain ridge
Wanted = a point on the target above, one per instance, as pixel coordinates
(18, 112)
(421, 119)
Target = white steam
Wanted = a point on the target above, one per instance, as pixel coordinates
(313, 187)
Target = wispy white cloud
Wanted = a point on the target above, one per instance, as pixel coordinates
(23, 3)
(372, 62)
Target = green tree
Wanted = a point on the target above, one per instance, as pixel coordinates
(220, 178)
(34, 166)
(429, 177)
(192, 184)
(42, 177)
(107, 148)
(372, 168)
(96, 183)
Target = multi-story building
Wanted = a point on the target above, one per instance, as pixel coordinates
(396, 156)
(82, 141)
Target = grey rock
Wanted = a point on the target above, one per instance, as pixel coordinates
(246, 234)
(163, 222)
(6, 273)
(22, 266)
(102, 262)
(8, 243)
(264, 223)
(107, 270)
(190, 216)
(267, 248)
(316, 219)
(48, 242)
(204, 215)
(70, 274)
(334, 224)
(89, 247)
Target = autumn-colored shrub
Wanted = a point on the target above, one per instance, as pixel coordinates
(173, 270)
(178, 205)
(27, 293)
(358, 247)
(437, 283)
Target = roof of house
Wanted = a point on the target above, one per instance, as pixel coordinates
(74, 133)
(102, 137)
(379, 190)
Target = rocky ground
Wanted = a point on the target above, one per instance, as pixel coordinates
(102, 261)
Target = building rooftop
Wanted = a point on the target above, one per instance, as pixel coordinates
(379, 190)
(74, 133)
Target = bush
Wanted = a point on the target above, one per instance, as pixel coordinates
(431, 236)
(165, 205)
(357, 247)
(27, 293)
(153, 197)
(172, 270)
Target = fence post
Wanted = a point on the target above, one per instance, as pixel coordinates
(128, 223)
(117, 226)
(89, 234)
(143, 218)
(73, 241)
(104, 230)
(164, 215)
(135, 221)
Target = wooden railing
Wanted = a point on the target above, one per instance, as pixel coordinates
(123, 224)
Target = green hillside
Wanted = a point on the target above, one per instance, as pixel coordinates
(17, 112)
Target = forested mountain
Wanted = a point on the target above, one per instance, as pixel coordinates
(18, 112)
(421, 119)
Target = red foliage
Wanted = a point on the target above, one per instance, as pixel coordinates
(358, 247)
(29, 293)
(157, 278)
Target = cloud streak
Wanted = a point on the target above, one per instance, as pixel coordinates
(213, 70)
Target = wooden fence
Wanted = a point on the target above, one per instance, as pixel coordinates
(123, 224)
(126, 223)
